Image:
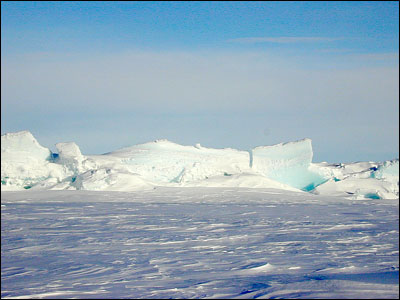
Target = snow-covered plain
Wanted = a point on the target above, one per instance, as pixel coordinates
(197, 242)
(162, 220)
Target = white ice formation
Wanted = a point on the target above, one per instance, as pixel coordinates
(25, 164)
(288, 163)
(360, 180)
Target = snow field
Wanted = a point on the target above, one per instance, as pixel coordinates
(197, 242)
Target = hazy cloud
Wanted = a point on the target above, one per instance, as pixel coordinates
(219, 99)
(282, 40)
(191, 81)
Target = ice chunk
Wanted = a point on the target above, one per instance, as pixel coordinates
(24, 162)
(341, 171)
(359, 188)
(361, 180)
(288, 163)
(22, 148)
(70, 155)
(69, 151)
(388, 170)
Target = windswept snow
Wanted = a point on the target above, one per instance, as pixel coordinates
(197, 242)
(288, 166)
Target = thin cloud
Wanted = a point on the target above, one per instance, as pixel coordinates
(224, 99)
(282, 40)
(390, 56)
(188, 82)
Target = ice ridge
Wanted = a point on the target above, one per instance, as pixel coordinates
(25, 164)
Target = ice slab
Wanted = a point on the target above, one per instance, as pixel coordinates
(288, 163)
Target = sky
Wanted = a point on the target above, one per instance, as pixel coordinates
(108, 75)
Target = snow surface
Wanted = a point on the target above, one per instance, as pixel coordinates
(197, 242)
(25, 164)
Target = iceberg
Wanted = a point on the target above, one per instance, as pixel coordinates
(25, 164)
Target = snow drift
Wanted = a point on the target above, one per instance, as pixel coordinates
(25, 164)
(164, 161)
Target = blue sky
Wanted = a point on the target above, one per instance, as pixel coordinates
(226, 74)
